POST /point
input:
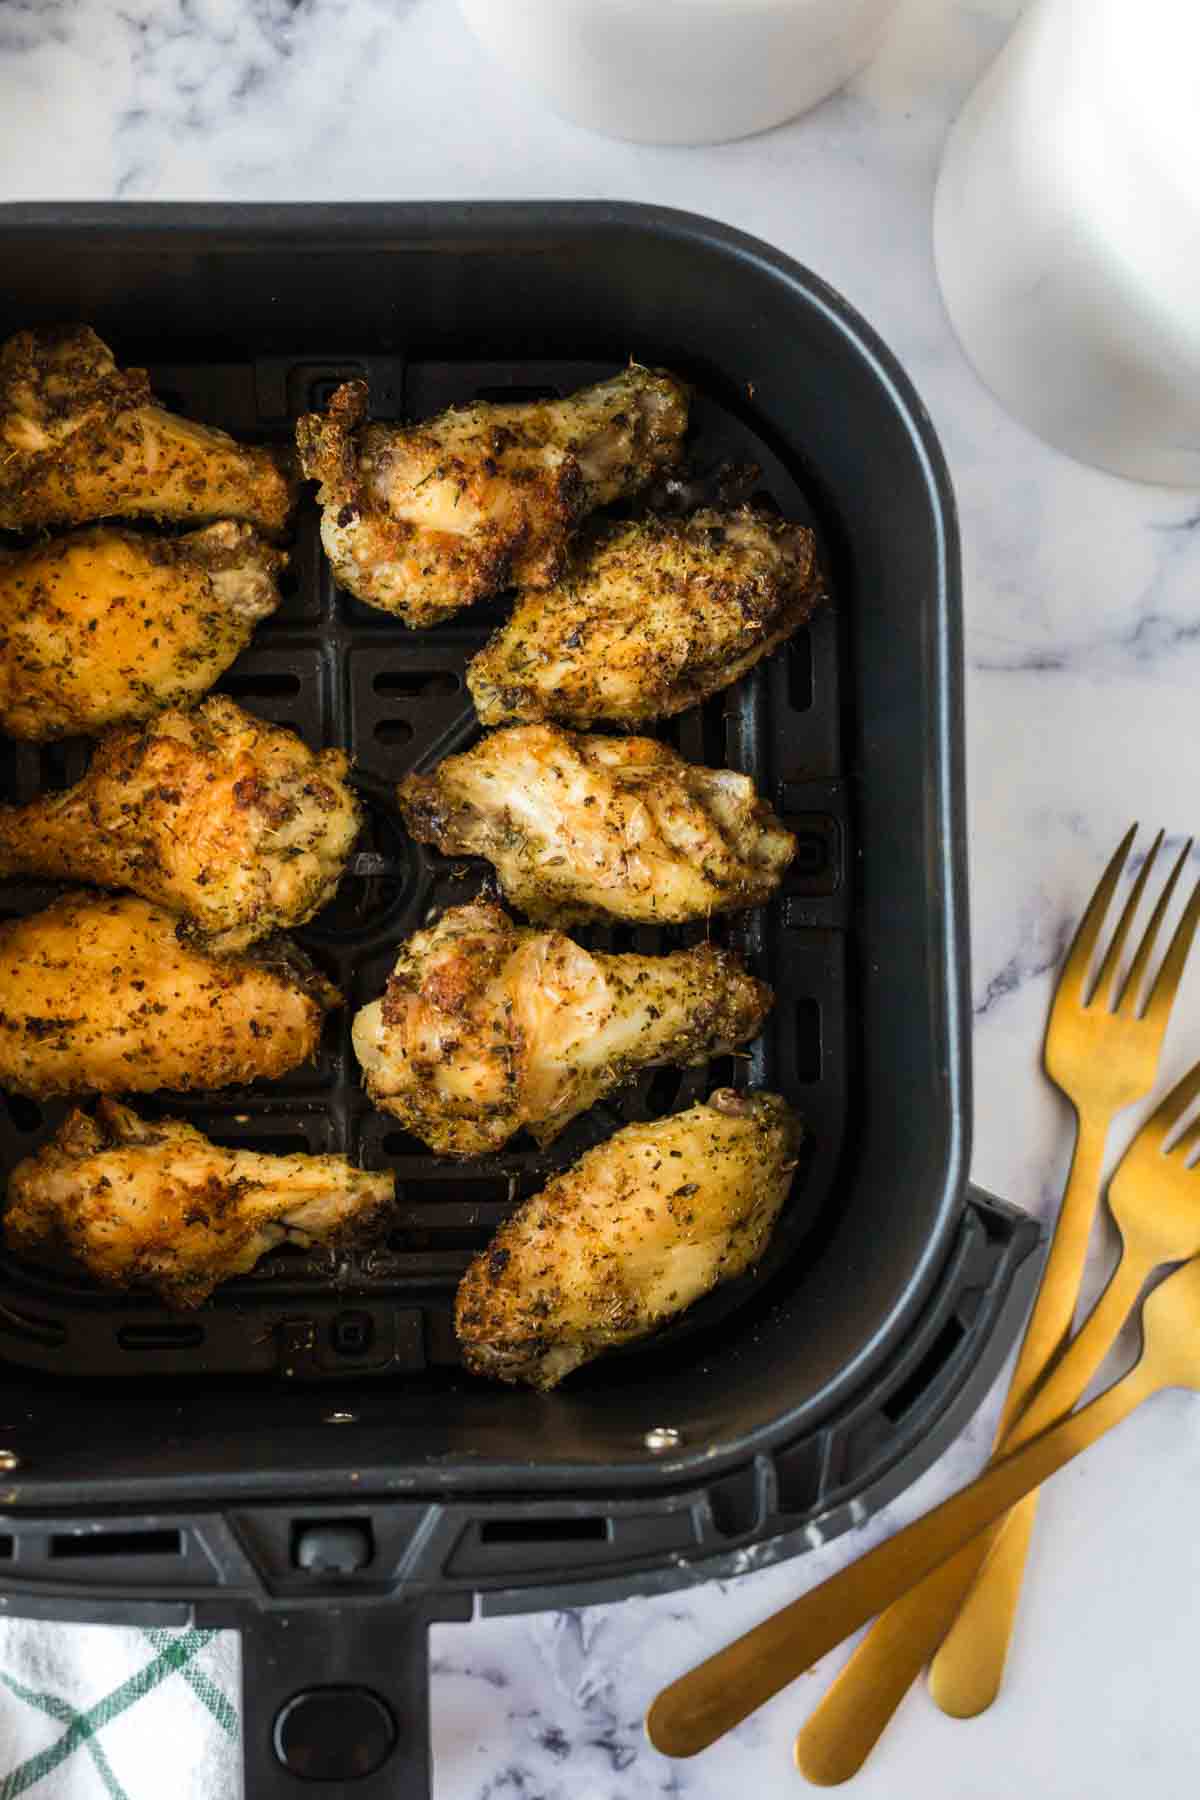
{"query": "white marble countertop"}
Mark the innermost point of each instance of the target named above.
(1083, 652)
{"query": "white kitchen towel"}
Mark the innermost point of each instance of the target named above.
(99, 1712)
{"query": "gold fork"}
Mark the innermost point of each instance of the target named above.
(1103, 1057)
(686, 1717)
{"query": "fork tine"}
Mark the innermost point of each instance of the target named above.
(1189, 1143)
(1074, 973)
(1112, 956)
(1171, 1108)
(1162, 995)
(1127, 1000)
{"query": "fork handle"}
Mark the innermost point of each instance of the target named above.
(844, 1728)
(967, 1671)
(1053, 1312)
(846, 1725)
(698, 1708)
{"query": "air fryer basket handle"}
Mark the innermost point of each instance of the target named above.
(379, 1647)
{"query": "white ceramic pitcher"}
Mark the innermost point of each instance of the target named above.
(1067, 231)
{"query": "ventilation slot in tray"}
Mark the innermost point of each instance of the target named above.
(926, 1372)
(416, 684)
(84, 1546)
(543, 1531)
(164, 1336)
(265, 684)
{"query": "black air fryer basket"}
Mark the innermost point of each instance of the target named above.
(304, 1459)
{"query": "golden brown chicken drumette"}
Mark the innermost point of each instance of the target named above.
(638, 1230)
(108, 625)
(585, 827)
(423, 520)
(652, 616)
(487, 1026)
(100, 995)
(235, 824)
(81, 439)
(159, 1205)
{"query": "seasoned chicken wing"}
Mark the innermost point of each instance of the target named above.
(425, 519)
(583, 827)
(107, 625)
(159, 1205)
(487, 1026)
(235, 824)
(638, 1230)
(101, 995)
(81, 439)
(653, 615)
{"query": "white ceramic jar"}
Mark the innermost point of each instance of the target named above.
(1067, 232)
(680, 71)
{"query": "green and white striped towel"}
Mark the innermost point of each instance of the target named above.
(97, 1712)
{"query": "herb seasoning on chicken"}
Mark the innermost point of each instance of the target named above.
(156, 1204)
(639, 1229)
(109, 625)
(587, 827)
(488, 1026)
(425, 519)
(652, 616)
(233, 823)
(81, 439)
(102, 995)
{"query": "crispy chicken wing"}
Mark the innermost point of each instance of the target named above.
(583, 827)
(487, 1026)
(653, 615)
(81, 439)
(638, 1230)
(157, 1204)
(106, 625)
(235, 824)
(101, 995)
(425, 519)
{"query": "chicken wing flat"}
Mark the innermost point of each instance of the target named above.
(423, 520)
(635, 1233)
(487, 1026)
(81, 439)
(100, 995)
(652, 616)
(581, 827)
(105, 625)
(158, 1205)
(212, 814)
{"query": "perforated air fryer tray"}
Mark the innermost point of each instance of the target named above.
(344, 674)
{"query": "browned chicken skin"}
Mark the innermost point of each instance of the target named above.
(159, 1205)
(585, 827)
(634, 1233)
(108, 625)
(101, 995)
(652, 615)
(423, 520)
(487, 1026)
(235, 824)
(81, 439)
